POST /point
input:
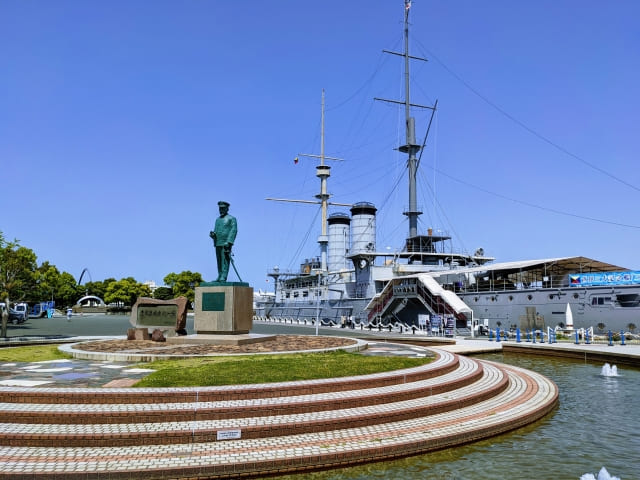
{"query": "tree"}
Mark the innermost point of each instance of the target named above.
(126, 291)
(97, 289)
(631, 327)
(68, 291)
(47, 280)
(17, 275)
(59, 287)
(18, 266)
(183, 283)
(163, 293)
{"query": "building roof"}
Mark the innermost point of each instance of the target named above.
(562, 264)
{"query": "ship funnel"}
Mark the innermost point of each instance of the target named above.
(363, 228)
(339, 232)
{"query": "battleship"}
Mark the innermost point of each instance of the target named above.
(429, 286)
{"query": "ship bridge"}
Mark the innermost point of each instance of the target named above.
(403, 298)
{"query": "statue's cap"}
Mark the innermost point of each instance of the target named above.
(222, 203)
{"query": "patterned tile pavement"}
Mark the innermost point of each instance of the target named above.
(68, 373)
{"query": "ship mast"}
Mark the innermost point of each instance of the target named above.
(323, 172)
(411, 148)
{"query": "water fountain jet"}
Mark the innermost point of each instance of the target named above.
(602, 475)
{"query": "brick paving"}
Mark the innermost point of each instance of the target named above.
(147, 350)
(266, 429)
(279, 343)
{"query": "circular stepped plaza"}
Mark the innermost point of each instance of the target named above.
(266, 429)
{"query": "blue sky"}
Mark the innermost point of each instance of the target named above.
(122, 123)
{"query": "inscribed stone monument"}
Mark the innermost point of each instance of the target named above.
(153, 314)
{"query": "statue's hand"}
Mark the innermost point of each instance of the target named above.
(212, 234)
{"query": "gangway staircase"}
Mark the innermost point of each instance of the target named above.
(420, 289)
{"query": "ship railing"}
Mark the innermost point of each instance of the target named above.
(506, 285)
(413, 289)
(381, 305)
(436, 303)
(599, 335)
(376, 325)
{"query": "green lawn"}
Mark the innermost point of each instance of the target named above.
(32, 353)
(269, 368)
(236, 370)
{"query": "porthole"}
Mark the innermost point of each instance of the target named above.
(511, 298)
(475, 299)
(575, 295)
(529, 297)
(551, 296)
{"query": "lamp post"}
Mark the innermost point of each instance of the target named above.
(319, 299)
(319, 295)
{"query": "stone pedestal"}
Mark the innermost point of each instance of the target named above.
(223, 308)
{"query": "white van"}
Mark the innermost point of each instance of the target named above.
(22, 309)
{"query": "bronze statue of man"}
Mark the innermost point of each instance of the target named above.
(224, 234)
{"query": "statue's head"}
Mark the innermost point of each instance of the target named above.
(223, 207)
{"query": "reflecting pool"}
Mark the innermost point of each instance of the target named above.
(597, 424)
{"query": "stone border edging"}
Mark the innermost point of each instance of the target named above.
(583, 353)
(358, 345)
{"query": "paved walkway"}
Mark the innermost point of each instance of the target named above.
(70, 373)
(628, 354)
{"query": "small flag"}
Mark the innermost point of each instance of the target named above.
(295, 160)
(407, 4)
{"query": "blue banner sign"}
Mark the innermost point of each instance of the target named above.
(450, 321)
(604, 278)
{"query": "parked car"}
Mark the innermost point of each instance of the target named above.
(16, 316)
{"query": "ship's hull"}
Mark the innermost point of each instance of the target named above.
(589, 307)
(596, 307)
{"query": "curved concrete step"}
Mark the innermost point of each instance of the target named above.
(390, 404)
(500, 399)
(407, 387)
(443, 363)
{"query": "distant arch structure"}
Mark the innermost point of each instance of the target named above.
(84, 270)
(91, 301)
